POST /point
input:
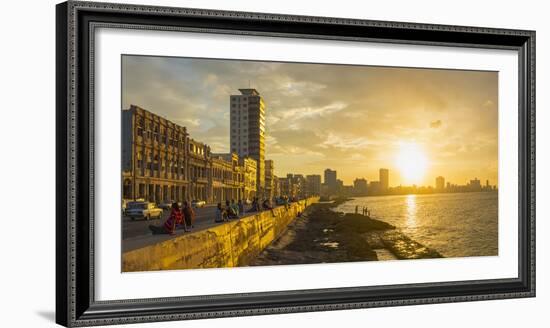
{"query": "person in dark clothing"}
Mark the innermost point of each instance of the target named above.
(241, 207)
(255, 206)
(221, 215)
(266, 205)
(189, 216)
(231, 214)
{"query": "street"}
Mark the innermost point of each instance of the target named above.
(132, 228)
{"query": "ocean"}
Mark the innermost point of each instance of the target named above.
(456, 225)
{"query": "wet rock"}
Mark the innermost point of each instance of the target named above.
(324, 236)
(405, 248)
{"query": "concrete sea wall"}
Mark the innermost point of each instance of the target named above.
(231, 244)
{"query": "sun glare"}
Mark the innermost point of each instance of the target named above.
(412, 163)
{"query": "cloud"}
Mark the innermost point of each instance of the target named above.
(299, 113)
(435, 124)
(327, 115)
(488, 104)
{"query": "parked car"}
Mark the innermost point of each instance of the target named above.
(145, 210)
(198, 203)
(124, 206)
(126, 201)
(166, 205)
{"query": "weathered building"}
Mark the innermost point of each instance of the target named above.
(160, 162)
(313, 185)
(227, 178)
(269, 177)
(155, 157)
(249, 167)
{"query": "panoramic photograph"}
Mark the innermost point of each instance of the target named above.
(239, 163)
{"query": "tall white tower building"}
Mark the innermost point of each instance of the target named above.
(247, 130)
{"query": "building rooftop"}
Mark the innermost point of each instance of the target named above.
(249, 92)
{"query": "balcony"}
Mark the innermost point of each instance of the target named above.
(200, 179)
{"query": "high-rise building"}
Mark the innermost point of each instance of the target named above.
(330, 181)
(339, 185)
(313, 184)
(475, 184)
(440, 183)
(289, 187)
(384, 179)
(374, 188)
(276, 186)
(300, 181)
(247, 130)
(360, 186)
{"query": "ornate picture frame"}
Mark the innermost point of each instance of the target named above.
(77, 21)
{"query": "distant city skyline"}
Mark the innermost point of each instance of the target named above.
(417, 123)
(334, 174)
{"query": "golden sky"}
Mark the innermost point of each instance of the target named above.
(353, 119)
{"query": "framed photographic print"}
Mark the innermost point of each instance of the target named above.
(214, 163)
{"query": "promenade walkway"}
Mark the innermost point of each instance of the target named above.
(136, 234)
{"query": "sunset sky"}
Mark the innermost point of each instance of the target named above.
(418, 123)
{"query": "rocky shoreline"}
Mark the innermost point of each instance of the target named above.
(322, 235)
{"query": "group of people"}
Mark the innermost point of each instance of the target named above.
(231, 210)
(365, 210)
(178, 219)
(234, 210)
(184, 218)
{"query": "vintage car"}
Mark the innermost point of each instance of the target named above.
(143, 210)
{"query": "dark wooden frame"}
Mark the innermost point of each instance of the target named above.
(75, 303)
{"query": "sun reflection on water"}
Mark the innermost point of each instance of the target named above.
(411, 211)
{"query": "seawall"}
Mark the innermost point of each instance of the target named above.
(235, 243)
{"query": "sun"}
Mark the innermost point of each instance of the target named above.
(412, 162)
